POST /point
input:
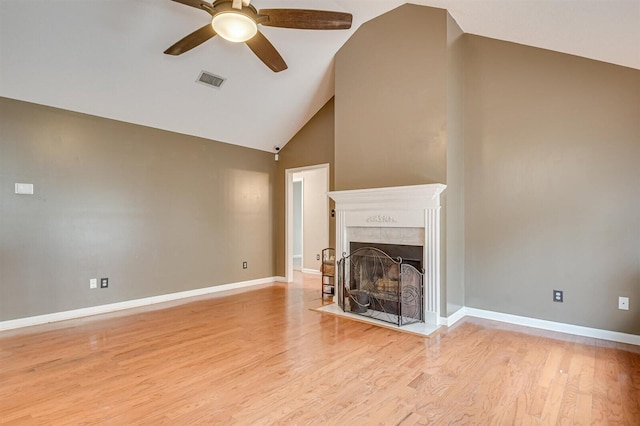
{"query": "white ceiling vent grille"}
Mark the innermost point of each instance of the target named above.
(210, 80)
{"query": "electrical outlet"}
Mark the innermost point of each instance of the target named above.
(623, 303)
(104, 282)
(93, 283)
(317, 257)
(558, 296)
(245, 265)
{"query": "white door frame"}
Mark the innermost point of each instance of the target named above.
(301, 222)
(288, 229)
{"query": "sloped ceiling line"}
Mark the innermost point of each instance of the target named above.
(105, 58)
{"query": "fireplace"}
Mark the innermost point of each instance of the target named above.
(373, 284)
(406, 216)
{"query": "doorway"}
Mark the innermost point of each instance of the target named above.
(313, 221)
(298, 228)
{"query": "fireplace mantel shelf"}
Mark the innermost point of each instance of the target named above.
(397, 197)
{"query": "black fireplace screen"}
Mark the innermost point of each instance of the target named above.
(372, 284)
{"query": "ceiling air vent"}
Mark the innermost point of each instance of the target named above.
(211, 80)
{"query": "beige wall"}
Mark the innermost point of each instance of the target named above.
(399, 119)
(391, 101)
(154, 211)
(552, 185)
(315, 216)
(453, 197)
(312, 145)
(539, 151)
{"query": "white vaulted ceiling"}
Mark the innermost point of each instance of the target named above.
(104, 57)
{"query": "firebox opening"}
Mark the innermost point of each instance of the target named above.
(412, 255)
(373, 284)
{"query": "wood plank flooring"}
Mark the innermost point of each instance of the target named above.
(262, 357)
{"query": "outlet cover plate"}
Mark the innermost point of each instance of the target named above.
(623, 303)
(244, 265)
(93, 283)
(104, 282)
(558, 296)
(24, 188)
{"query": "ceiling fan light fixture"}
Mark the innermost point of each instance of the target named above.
(234, 26)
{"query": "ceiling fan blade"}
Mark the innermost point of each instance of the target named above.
(194, 39)
(307, 19)
(266, 52)
(193, 3)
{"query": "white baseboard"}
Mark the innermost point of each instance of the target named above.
(614, 336)
(453, 318)
(128, 304)
(577, 330)
(310, 271)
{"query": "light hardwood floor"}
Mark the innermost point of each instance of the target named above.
(262, 357)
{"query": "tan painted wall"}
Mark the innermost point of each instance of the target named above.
(154, 211)
(312, 145)
(399, 119)
(552, 185)
(550, 146)
(453, 197)
(391, 101)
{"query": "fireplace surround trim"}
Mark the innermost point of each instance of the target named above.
(414, 206)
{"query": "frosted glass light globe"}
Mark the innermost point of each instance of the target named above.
(234, 26)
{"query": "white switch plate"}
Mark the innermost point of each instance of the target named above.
(623, 303)
(93, 283)
(24, 188)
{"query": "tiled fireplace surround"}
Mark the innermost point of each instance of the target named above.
(405, 215)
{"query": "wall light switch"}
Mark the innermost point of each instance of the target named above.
(24, 188)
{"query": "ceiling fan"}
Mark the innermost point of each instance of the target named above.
(237, 21)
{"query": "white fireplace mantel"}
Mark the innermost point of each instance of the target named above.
(395, 197)
(409, 208)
